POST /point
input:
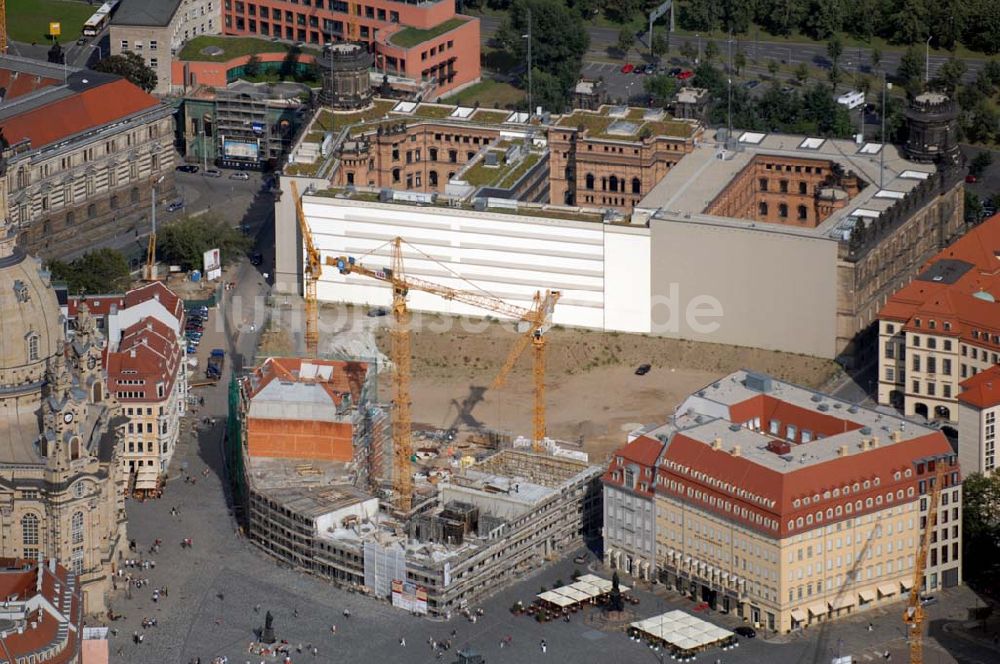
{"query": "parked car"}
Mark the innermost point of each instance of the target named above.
(378, 311)
(643, 369)
(927, 600)
(239, 176)
(750, 85)
(81, 41)
(187, 168)
(639, 70)
(212, 173)
(191, 350)
(581, 559)
(627, 68)
(971, 179)
(175, 206)
(256, 258)
(650, 69)
(745, 632)
(675, 71)
(685, 75)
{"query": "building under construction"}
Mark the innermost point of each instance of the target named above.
(481, 518)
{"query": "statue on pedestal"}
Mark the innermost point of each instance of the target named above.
(615, 600)
(267, 636)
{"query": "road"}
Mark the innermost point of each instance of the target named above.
(603, 44)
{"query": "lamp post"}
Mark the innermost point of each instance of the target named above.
(151, 251)
(528, 37)
(927, 60)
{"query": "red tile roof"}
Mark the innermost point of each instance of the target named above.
(971, 304)
(346, 376)
(20, 83)
(643, 452)
(77, 113)
(983, 389)
(19, 577)
(148, 351)
(157, 291)
(99, 305)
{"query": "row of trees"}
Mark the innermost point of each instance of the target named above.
(181, 243)
(975, 23)
(559, 41)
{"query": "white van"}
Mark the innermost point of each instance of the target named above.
(851, 99)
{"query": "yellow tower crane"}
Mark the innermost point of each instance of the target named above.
(537, 318)
(311, 272)
(913, 616)
(534, 326)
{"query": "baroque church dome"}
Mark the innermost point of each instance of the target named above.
(31, 327)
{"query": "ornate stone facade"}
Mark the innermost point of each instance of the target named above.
(346, 82)
(61, 487)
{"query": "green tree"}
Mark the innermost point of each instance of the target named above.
(711, 51)
(626, 40)
(700, 15)
(186, 241)
(131, 66)
(290, 64)
(548, 91)
(981, 123)
(834, 75)
(801, 73)
(558, 40)
(688, 51)
(781, 17)
(739, 62)
(252, 67)
(980, 521)
(772, 66)
(835, 49)
(980, 162)
(824, 18)
(973, 211)
(992, 71)
(661, 44)
(863, 83)
(99, 271)
(949, 75)
(876, 57)
(911, 70)
(660, 88)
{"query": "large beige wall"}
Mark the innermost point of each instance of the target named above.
(776, 290)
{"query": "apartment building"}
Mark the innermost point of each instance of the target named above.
(143, 375)
(979, 410)
(157, 29)
(147, 373)
(82, 151)
(782, 505)
(942, 328)
(426, 41)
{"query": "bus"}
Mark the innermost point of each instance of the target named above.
(100, 19)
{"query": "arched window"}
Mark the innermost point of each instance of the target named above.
(434, 154)
(636, 185)
(32, 347)
(783, 210)
(70, 218)
(114, 202)
(395, 175)
(433, 178)
(762, 208)
(589, 180)
(803, 212)
(76, 528)
(133, 195)
(91, 211)
(29, 530)
(613, 183)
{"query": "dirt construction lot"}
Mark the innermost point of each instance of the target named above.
(592, 389)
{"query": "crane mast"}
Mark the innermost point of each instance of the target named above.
(913, 616)
(311, 272)
(537, 320)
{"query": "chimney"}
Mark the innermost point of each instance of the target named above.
(736, 450)
(843, 451)
(131, 352)
(897, 436)
(717, 443)
(874, 442)
(863, 444)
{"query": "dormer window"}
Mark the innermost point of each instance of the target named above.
(21, 291)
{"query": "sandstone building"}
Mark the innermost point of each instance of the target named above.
(61, 487)
(942, 328)
(80, 157)
(786, 507)
(979, 408)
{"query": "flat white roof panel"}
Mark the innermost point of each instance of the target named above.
(812, 143)
(870, 148)
(752, 137)
(889, 193)
(914, 175)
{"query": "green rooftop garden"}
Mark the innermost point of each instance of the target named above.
(490, 117)
(434, 111)
(596, 125)
(330, 121)
(410, 37)
(232, 47)
(28, 20)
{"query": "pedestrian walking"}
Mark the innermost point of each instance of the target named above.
(402, 642)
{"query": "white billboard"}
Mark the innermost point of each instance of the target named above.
(409, 596)
(239, 149)
(212, 263)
